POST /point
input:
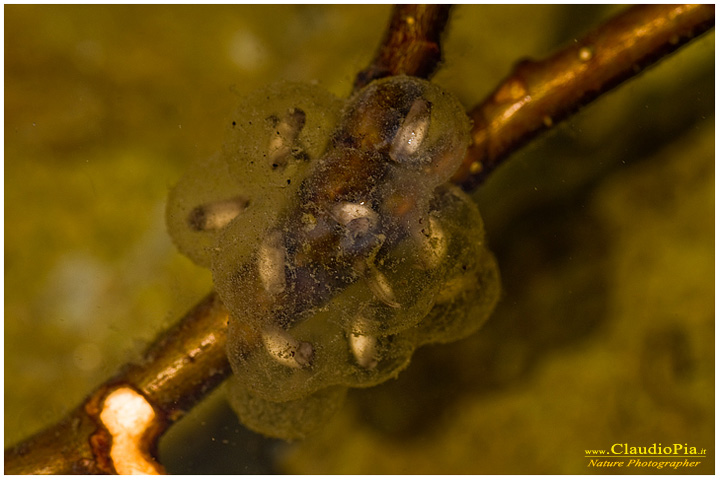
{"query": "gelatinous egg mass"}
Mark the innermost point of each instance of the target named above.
(335, 242)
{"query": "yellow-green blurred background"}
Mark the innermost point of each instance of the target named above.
(603, 230)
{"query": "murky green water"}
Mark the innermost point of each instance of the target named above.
(603, 231)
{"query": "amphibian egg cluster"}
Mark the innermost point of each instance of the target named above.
(335, 242)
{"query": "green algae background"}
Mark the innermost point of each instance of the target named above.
(603, 230)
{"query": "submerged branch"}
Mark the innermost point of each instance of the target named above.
(411, 45)
(116, 428)
(539, 94)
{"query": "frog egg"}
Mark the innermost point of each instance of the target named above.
(471, 287)
(411, 135)
(285, 349)
(275, 135)
(381, 288)
(205, 200)
(464, 306)
(434, 242)
(346, 213)
(423, 127)
(271, 263)
(283, 364)
(284, 142)
(278, 130)
(373, 358)
(216, 215)
(364, 346)
(276, 369)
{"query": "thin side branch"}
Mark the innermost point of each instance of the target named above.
(116, 428)
(539, 94)
(411, 45)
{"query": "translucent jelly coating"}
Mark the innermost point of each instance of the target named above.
(335, 242)
(365, 195)
(465, 300)
(355, 345)
(292, 420)
(262, 164)
(471, 291)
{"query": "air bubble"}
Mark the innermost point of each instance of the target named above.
(585, 54)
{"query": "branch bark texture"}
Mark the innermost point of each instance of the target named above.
(175, 373)
(539, 94)
(411, 45)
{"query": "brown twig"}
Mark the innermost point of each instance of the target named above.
(411, 45)
(177, 371)
(189, 360)
(539, 94)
